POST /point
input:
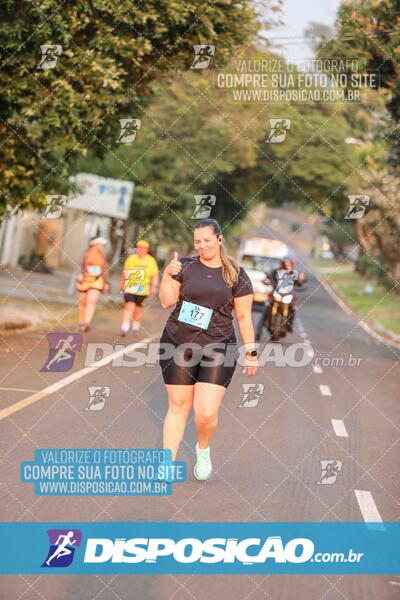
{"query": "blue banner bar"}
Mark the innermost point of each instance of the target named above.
(213, 548)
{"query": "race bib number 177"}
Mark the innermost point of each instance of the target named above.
(195, 314)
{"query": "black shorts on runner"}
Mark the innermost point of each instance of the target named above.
(181, 374)
(135, 298)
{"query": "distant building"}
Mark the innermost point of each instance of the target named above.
(61, 241)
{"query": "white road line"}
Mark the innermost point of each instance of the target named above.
(12, 389)
(368, 508)
(339, 428)
(325, 390)
(17, 406)
(303, 334)
(317, 369)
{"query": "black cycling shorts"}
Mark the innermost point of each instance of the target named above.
(175, 372)
(135, 298)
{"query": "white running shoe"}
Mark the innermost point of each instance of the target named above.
(135, 327)
(203, 466)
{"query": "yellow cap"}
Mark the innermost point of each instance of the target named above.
(142, 244)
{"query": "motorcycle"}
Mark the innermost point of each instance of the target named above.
(278, 314)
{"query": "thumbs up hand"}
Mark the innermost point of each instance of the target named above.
(174, 267)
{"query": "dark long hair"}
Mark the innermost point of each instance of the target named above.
(230, 269)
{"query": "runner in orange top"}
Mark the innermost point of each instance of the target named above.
(91, 281)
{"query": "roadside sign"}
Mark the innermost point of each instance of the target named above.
(101, 195)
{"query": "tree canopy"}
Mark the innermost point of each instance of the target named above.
(106, 54)
(370, 31)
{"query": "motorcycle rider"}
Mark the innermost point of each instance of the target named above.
(280, 278)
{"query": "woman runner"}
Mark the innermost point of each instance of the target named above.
(91, 281)
(206, 289)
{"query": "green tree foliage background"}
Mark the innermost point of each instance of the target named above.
(370, 32)
(194, 141)
(111, 52)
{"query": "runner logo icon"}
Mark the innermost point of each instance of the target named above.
(358, 204)
(55, 204)
(279, 129)
(329, 471)
(97, 397)
(133, 281)
(129, 128)
(50, 53)
(251, 394)
(63, 347)
(202, 55)
(63, 543)
(204, 204)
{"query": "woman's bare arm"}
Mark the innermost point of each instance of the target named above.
(168, 291)
(242, 309)
(169, 288)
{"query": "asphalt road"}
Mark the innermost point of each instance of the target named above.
(266, 458)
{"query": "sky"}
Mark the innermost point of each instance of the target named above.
(296, 15)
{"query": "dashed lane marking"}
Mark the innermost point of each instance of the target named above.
(325, 390)
(339, 428)
(368, 509)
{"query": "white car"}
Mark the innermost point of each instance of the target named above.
(259, 257)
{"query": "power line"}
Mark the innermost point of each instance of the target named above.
(343, 37)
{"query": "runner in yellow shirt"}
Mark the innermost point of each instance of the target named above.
(138, 280)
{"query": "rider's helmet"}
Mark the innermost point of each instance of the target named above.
(286, 264)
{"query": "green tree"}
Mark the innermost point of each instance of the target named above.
(110, 52)
(194, 141)
(190, 143)
(370, 31)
